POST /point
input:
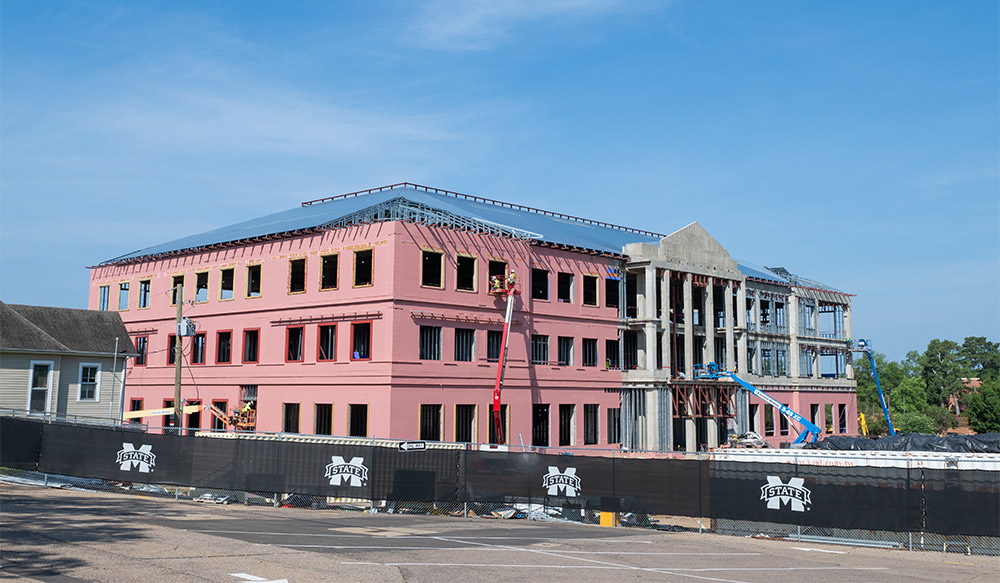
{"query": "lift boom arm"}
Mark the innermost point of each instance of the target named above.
(504, 287)
(711, 371)
(863, 346)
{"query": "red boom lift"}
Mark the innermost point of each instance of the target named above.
(502, 287)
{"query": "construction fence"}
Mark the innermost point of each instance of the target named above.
(896, 504)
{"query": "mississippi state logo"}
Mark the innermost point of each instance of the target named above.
(143, 458)
(352, 473)
(566, 482)
(793, 494)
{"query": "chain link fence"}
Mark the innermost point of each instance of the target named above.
(911, 473)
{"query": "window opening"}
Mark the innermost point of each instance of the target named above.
(540, 425)
(611, 354)
(219, 424)
(465, 343)
(492, 425)
(141, 348)
(565, 351)
(430, 422)
(105, 298)
(358, 420)
(253, 281)
(361, 337)
(590, 290)
(171, 349)
(294, 346)
(323, 419)
(497, 269)
(290, 418)
(567, 415)
(250, 341)
(363, 268)
(591, 420)
(614, 425)
(226, 283)
(88, 382)
(768, 420)
(327, 342)
(144, 293)
(328, 272)
(564, 285)
(431, 269)
(201, 287)
(494, 345)
(465, 274)
(224, 347)
(539, 349)
(123, 296)
(177, 290)
(465, 423)
(430, 343)
(828, 410)
(539, 284)
(589, 352)
(611, 292)
(296, 276)
(198, 348)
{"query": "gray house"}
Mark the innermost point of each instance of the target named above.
(62, 362)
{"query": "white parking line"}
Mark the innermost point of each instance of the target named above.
(807, 549)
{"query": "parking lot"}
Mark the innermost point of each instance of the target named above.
(59, 535)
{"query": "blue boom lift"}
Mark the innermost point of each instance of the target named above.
(811, 432)
(865, 346)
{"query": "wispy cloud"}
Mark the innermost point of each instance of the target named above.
(483, 24)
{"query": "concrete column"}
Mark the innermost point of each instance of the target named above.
(690, 430)
(688, 328)
(665, 325)
(649, 293)
(712, 424)
(816, 360)
(756, 312)
(793, 334)
(727, 307)
(710, 321)
(848, 332)
(668, 409)
(741, 319)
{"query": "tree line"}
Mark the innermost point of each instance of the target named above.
(929, 392)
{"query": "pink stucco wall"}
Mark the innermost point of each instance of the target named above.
(394, 382)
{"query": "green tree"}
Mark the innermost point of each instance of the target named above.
(913, 422)
(942, 370)
(984, 407)
(909, 396)
(980, 357)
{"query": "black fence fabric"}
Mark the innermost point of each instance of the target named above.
(858, 497)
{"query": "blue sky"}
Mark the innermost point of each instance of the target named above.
(854, 143)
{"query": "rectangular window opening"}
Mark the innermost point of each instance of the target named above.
(89, 374)
(296, 275)
(363, 268)
(250, 345)
(567, 422)
(614, 425)
(430, 271)
(591, 420)
(430, 343)
(123, 296)
(198, 348)
(144, 286)
(141, 348)
(565, 351)
(465, 344)
(539, 284)
(590, 290)
(224, 347)
(611, 292)
(201, 287)
(357, 420)
(540, 425)
(492, 423)
(430, 422)
(494, 345)
(104, 298)
(227, 278)
(323, 419)
(465, 423)
(295, 337)
(539, 349)
(590, 352)
(177, 290)
(290, 417)
(327, 344)
(253, 281)
(564, 285)
(361, 339)
(328, 271)
(465, 273)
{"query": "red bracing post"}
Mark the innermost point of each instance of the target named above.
(502, 287)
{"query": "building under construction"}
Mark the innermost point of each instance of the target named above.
(370, 315)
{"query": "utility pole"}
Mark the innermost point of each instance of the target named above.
(179, 298)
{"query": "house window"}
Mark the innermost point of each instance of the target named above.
(105, 298)
(591, 419)
(177, 290)
(227, 283)
(323, 419)
(465, 423)
(198, 348)
(219, 424)
(841, 418)
(290, 417)
(296, 276)
(611, 292)
(564, 285)
(493, 425)
(253, 281)
(294, 337)
(430, 422)
(465, 344)
(565, 351)
(590, 290)
(135, 405)
(363, 268)
(539, 349)
(123, 296)
(430, 268)
(630, 340)
(89, 378)
(540, 425)
(614, 425)
(465, 275)
(144, 293)
(611, 354)
(224, 347)
(328, 272)
(496, 270)
(251, 339)
(361, 340)
(357, 421)
(171, 349)
(567, 422)
(141, 348)
(539, 284)
(430, 343)
(201, 287)
(494, 345)
(327, 344)
(589, 352)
